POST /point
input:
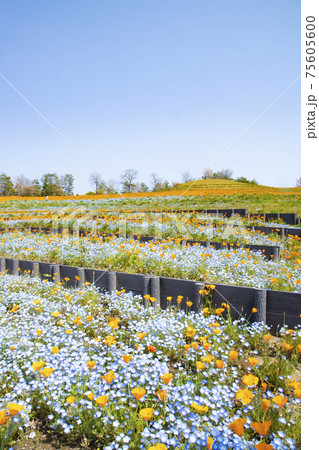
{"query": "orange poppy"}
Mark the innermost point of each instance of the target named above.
(167, 377)
(261, 427)
(200, 365)
(233, 354)
(279, 400)
(126, 358)
(109, 340)
(161, 394)
(237, 426)
(287, 346)
(245, 396)
(253, 361)
(219, 364)
(250, 380)
(109, 377)
(138, 393)
(266, 404)
(151, 348)
(207, 358)
(263, 446)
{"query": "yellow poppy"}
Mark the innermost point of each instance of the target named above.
(3, 416)
(141, 335)
(91, 364)
(102, 400)
(245, 396)
(190, 332)
(46, 372)
(147, 413)
(233, 354)
(199, 408)
(38, 365)
(14, 408)
(158, 447)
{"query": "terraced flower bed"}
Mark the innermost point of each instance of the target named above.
(237, 266)
(101, 371)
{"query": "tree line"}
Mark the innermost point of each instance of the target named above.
(128, 183)
(51, 184)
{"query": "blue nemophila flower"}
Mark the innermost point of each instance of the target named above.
(67, 398)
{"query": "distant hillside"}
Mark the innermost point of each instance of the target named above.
(213, 184)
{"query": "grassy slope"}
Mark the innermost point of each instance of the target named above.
(209, 194)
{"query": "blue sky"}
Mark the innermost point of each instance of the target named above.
(158, 86)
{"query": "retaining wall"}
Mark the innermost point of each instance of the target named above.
(269, 251)
(275, 308)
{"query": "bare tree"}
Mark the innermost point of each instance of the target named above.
(208, 173)
(127, 179)
(23, 186)
(141, 187)
(186, 176)
(156, 182)
(298, 182)
(111, 187)
(96, 180)
(225, 174)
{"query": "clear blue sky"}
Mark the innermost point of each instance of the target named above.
(158, 86)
